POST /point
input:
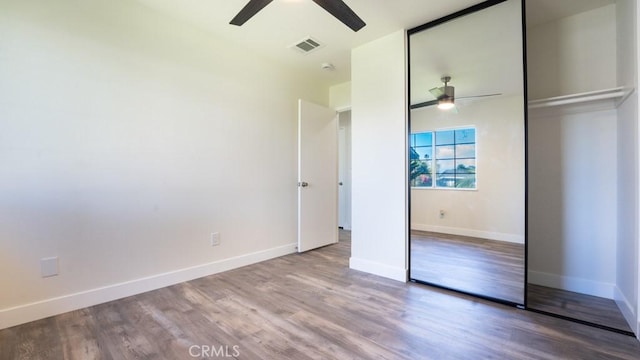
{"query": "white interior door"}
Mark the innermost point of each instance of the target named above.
(343, 221)
(317, 176)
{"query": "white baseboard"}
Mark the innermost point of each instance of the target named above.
(379, 269)
(584, 286)
(491, 235)
(41, 309)
(626, 309)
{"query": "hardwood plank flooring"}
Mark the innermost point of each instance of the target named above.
(478, 266)
(593, 309)
(308, 306)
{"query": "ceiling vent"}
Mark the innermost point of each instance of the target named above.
(306, 45)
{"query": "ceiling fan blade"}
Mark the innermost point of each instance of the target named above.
(423, 104)
(247, 12)
(342, 12)
(437, 92)
(478, 96)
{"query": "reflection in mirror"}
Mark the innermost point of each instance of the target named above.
(467, 163)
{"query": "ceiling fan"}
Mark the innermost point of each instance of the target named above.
(445, 96)
(337, 8)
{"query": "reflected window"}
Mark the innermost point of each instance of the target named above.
(444, 159)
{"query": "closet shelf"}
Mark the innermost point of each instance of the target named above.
(615, 96)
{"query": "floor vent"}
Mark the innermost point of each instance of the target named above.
(306, 45)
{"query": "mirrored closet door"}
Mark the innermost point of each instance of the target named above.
(467, 152)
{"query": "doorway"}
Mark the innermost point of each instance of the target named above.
(324, 176)
(344, 170)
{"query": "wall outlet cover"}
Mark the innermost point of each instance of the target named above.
(49, 266)
(215, 239)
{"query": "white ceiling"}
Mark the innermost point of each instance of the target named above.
(284, 22)
(541, 11)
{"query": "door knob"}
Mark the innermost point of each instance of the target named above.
(340, 183)
(303, 184)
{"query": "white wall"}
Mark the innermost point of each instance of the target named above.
(126, 139)
(340, 96)
(561, 53)
(379, 152)
(496, 209)
(628, 215)
(572, 201)
(627, 255)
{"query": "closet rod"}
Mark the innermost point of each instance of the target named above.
(614, 93)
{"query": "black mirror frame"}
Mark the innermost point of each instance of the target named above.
(434, 23)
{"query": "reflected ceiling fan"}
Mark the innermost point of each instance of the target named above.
(445, 96)
(337, 8)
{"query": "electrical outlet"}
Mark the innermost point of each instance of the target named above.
(441, 214)
(215, 239)
(49, 266)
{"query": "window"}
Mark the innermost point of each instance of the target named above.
(444, 159)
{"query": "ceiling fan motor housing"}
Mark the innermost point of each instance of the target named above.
(448, 93)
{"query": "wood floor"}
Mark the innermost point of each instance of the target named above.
(308, 306)
(473, 265)
(578, 306)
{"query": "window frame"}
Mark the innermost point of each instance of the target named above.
(433, 160)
